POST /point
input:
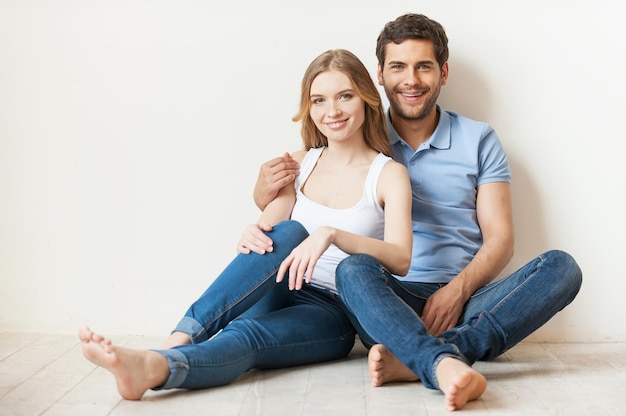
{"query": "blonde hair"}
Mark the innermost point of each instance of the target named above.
(374, 126)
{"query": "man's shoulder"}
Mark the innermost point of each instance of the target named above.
(467, 126)
(464, 120)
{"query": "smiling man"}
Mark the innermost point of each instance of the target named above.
(463, 235)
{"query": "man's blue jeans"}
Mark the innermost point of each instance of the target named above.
(386, 310)
(246, 320)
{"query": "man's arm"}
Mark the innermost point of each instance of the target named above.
(495, 218)
(273, 176)
(253, 238)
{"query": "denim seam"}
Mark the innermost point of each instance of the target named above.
(196, 338)
(538, 267)
(517, 289)
(308, 343)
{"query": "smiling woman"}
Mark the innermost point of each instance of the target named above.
(131, 135)
(232, 328)
(336, 110)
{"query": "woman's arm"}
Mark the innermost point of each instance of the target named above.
(394, 252)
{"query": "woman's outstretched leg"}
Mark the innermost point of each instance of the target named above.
(135, 371)
(314, 329)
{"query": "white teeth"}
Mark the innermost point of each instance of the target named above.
(335, 124)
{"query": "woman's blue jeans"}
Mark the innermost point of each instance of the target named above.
(246, 320)
(386, 310)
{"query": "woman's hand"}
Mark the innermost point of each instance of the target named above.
(302, 259)
(253, 239)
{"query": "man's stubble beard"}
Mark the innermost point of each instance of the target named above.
(421, 114)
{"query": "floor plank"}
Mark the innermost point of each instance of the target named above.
(47, 375)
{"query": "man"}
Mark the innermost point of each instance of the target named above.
(462, 227)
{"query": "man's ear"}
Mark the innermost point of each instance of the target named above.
(444, 73)
(379, 75)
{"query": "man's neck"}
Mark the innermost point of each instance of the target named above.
(415, 132)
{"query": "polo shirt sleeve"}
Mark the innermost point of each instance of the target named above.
(492, 160)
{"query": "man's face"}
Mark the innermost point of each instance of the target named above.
(412, 78)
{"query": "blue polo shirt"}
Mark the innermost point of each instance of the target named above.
(445, 172)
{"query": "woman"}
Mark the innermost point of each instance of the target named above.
(281, 308)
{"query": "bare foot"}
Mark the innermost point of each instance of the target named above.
(384, 367)
(459, 382)
(135, 371)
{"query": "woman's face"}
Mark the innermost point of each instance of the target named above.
(336, 109)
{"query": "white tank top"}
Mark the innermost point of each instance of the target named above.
(365, 218)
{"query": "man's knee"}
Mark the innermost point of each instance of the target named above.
(566, 264)
(352, 270)
(567, 271)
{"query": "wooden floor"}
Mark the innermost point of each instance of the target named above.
(47, 375)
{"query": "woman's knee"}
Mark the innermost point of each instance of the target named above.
(290, 227)
(289, 233)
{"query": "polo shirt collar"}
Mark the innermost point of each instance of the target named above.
(440, 138)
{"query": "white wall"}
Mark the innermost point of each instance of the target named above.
(131, 132)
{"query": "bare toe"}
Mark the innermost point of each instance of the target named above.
(459, 382)
(384, 367)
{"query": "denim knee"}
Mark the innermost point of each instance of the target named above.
(567, 271)
(289, 228)
(355, 270)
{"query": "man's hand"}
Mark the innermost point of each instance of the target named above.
(443, 309)
(273, 176)
(253, 239)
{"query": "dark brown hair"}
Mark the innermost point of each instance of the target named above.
(413, 26)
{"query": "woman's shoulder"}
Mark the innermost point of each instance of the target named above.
(393, 173)
(394, 168)
(298, 155)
